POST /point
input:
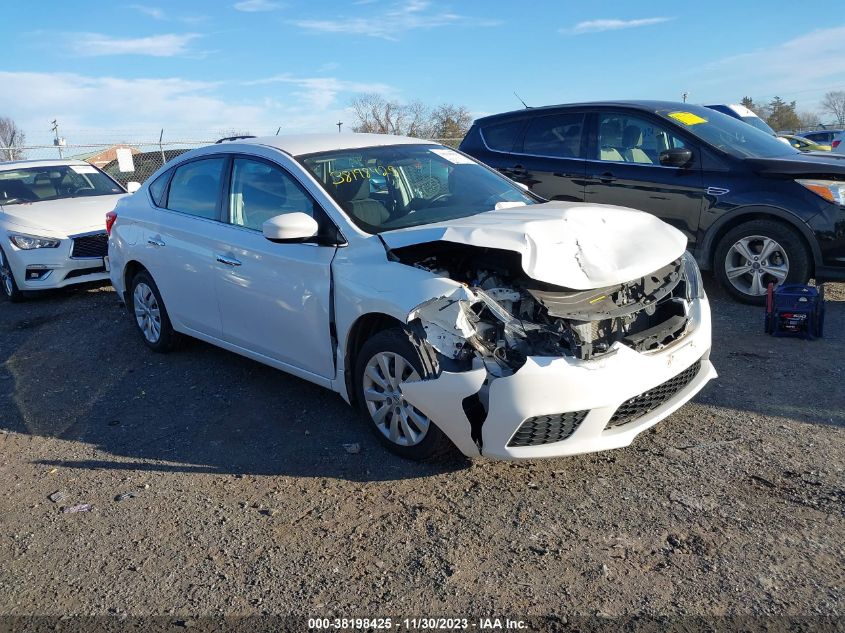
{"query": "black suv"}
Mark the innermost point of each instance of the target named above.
(754, 209)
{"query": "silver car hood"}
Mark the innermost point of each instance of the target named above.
(62, 217)
(570, 244)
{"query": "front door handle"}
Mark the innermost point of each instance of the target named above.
(606, 177)
(155, 242)
(228, 261)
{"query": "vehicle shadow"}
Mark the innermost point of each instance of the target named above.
(74, 368)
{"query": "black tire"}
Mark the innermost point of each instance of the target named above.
(167, 336)
(397, 341)
(791, 245)
(9, 285)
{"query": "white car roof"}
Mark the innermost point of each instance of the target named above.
(19, 164)
(298, 144)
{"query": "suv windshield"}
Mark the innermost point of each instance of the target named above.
(732, 136)
(34, 184)
(396, 186)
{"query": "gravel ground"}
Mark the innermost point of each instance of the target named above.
(246, 502)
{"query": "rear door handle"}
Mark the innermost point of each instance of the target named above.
(606, 177)
(155, 242)
(516, 170)
(228, 261)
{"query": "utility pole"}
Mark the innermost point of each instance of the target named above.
(338, 124)
(58, 142)
(685, 97)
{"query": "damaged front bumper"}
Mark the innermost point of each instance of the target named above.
(555, 406)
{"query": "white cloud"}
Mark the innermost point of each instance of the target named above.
(96, 109)
(814, 62)
(153, 12)
(252, 6)
(390, 23)
(321, 92)
(97, 44)
(597, 26)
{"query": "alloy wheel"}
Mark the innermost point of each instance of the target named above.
(6, 276)
(755, 261)
(395, 418)
(147, 312)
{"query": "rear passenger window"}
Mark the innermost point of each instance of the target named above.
(195, 187)
(158, 187)
(502, 136)
(557, 135)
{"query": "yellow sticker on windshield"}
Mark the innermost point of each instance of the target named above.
(687, 118)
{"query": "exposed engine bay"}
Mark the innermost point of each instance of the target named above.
(504, 316)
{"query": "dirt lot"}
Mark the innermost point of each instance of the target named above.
(247, 502)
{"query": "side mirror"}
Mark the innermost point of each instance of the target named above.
(676, 157)
(290, 227)
(132, 186)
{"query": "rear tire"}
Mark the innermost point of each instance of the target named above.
(383, 363)
(150, 315)
(7, 280)
(753, 254)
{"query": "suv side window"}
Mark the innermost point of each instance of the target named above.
(624, 138)
(195, 188)
(261, 191)
(557, 135)
(502, 136)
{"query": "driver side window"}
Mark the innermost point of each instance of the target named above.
(632, 139)
(261, 191)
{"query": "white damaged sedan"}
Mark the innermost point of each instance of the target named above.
(439, 297)
(51, 224)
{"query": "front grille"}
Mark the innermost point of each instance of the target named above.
(96, 245)
(81, 272)
(545, 429)
(646, 402)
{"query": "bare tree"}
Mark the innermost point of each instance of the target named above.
(451, 123)
(376, 114)
(809, 119)
(12, 139)
(834, 103)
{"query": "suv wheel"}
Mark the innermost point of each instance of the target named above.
(150, 314)
(754, 254)
(7, 280)
(386, 361)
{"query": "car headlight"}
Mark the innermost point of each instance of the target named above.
(830, 190)
(693, 275)
(28, 242)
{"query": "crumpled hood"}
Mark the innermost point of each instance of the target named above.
(570, 244)
(63, 217)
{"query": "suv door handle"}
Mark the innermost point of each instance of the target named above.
(516, 170)
(606, 177)
(228, 261)
(155, 242)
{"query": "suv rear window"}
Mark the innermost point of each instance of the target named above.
(557, 135)
(502, 136)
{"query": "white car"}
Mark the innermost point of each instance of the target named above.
(52, 215)
(445, 301)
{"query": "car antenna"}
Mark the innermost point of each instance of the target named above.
(520, 99)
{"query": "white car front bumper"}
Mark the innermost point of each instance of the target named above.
(555, 406)
(50, 268)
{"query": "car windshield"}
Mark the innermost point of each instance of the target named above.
(34, 184)
(759, 123)
(728, 134)
(396, 186)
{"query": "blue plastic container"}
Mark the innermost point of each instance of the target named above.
(795, 310)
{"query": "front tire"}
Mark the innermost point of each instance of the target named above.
(150, 315)
(7, 280)
(386, 361)
(759, 252)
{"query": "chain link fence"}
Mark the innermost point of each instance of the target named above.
(147, 156)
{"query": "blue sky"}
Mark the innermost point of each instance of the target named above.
(195, 68)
